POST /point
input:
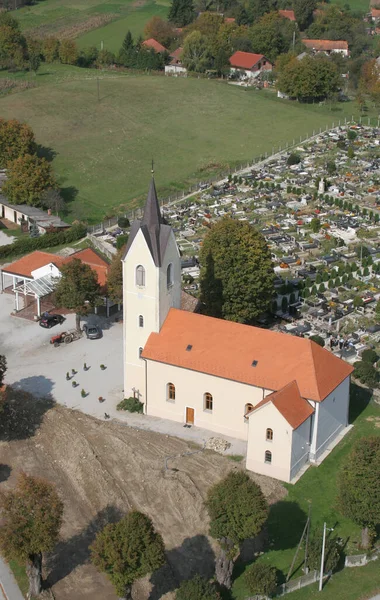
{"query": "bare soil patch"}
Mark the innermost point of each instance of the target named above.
(102, 470)
(65, 28)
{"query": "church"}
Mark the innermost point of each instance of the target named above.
(286, 396)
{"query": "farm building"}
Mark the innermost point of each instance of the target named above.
(247, 64)
(27, 216)
(175, 67)
(327, 46)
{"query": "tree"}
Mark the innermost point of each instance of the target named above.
(358, 301)
(196, 54)
(238, 510)
(303, 12)
(105, 58)
(68, 52)
(366, 373)
(50, 49)
(358, 485)
(331, 167)
(12, 47)
(160, 30)
(31, 520)
(312, 78)
(369, 356)
(27, 178)
(350, 152)
(261, 579)
(318, 340)
(197, 588)
(34, 54)
(115, 277)
(272, 35)
(52, 199)
(77, 289)
(315, 224)
(332, 553)
(237, 280)
(128, 44)
(181, 12)
(16, 139)
(128, 550)
(293, 159)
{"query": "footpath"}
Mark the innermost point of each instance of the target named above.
(9, 589)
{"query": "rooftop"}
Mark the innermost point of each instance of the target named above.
(326, 44)
(152, 43)
(287, 14)
(228, 350)
(245, 60)
(36, 214)
(289, 403)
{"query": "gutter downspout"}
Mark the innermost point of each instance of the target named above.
(146, 385)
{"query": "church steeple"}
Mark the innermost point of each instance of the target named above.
(152, 214)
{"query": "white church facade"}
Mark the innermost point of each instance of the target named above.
(286, 396)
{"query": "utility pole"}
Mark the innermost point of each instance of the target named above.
(322, 557)
(97, 81)
(294, 39)
(306, 568)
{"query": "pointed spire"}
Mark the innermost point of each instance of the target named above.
(152, 214)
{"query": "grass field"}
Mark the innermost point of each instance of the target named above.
(318, 489)
(192, 128)
(91, 21)
(361, 6)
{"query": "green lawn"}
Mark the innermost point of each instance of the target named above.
(361, 6)
(20, 576)
(192, 128)
(318, 489)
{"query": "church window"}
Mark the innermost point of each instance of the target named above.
(269, 435)
(140, 352)
(208, 401)
(141, 321)
(170, 392)
(169, 276)
(268, 457)
(140, 276)
(248, 408)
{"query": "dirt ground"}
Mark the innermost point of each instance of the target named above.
(102, 470)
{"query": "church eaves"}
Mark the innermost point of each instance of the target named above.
(155, 232)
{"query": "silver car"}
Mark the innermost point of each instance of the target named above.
(93, 332)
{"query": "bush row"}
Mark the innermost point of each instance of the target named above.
(29, 244)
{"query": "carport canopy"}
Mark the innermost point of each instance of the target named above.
(37, 287)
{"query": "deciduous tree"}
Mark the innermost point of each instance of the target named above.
(50, 49)
(197, 588)
(238, 511)
(196, 54)
(68, 52)
(128, 550)
(311, 78)
(12, 47)
(52, 199)
(303, 12)
(78, 288)
(115, 277)
(332, 553)
(160, 30)
(27, 178)
(31, 520)
(272, 35)
(16, 139)
(261, 579)
(237, 280)
(358, 485)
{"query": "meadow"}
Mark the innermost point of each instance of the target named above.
(193, 128)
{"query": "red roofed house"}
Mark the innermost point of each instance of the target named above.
(248, 64)
(285, 396)
(175, 67)
(34, 275)
(327, 46)
(375, 14)
(153, 44)
(287, 14)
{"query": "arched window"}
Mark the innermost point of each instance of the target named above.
(141, 321)
(140, 352)
(269, 435)
(268, 456)
(170, 392)
(248, 408)
(169, 275)
(140, 276)
(207, 399)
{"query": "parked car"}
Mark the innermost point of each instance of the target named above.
(93, 332)
(48, 321)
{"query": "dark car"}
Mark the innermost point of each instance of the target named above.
(48, 321)
(93, 332)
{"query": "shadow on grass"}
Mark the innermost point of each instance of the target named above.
(45, 152)
(5, 472)
(75, 551)
(286, 523)
(194, 557)
(23, 412)
(360, 397)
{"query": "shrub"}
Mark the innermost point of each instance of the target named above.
(123, 222)
(197, 588)
(293, 159)
(322, 288)
(332, 554)
(23, 245)
(369, 356)
(351, 135)
(318, 340)
(131, 405)
(121, 240)
(366, 373)
(261, 578)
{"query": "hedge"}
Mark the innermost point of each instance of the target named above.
(25, 244)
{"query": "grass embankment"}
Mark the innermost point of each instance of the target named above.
(317, 488)
(91, 21)
(192, 128)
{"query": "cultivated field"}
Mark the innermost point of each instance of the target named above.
(103, 470)
(192, 128)
(68, 19)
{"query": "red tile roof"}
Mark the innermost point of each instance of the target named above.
(89, 257)
(152, 43)
(375, 13)
(25, 265)
(287, 14)
(245, 60)
(227, 350)
(229, 20)
(289, 404)
(326, 44)
(177, 53)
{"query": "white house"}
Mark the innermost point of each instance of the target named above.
(250, 65)
(286, 396)
(175, 67)
(327, 46)
(26, 216)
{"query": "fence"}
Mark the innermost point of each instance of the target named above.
(292, 586)
(360, 560)
(100, 245)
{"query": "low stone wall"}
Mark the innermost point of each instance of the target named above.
(360, 560)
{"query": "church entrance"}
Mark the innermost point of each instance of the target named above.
(189, 416)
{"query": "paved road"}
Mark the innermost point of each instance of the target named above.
(9, 589)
